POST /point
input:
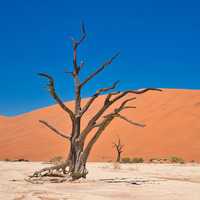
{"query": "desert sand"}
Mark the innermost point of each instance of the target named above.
(131, 181)
(172, 120)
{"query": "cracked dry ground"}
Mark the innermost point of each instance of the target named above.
(131, 181)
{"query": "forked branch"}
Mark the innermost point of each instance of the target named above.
(94, 96)
(118, 146)
(107, 104)
(76, 44)
(123, 106)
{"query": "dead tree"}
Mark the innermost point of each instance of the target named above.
(75, 164)
(118, 147)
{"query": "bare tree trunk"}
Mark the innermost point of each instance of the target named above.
(118, 147)
(77, 168)
(75, 165)
(118, 157)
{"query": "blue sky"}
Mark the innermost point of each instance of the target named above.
(159, 43)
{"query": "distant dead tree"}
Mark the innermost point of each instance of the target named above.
(75, 164)
(118, 147)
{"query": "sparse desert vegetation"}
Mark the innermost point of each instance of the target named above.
(16, 160)
(132, 160)
(170, 159)
(176, 159)
(137, 160)
(126, 160)
(167, 160)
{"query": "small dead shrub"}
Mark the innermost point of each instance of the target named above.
(137, 160)
(158, 160)
(132, 160)
(175, 159)
(154, 160)
(21, 160)
(126, 160)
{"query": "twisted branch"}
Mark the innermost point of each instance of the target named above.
(51, 87)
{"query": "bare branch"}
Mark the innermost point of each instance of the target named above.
(140, 91)
(116, 112)
(101, 68)
(54, 130)
(109, 96)
(125, 102)
(128, 107)
(69, 72)
(130, 121)
(53, 93)
(121, 107)
(76, 44)
(98, 92)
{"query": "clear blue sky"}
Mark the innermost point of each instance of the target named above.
(159, 43)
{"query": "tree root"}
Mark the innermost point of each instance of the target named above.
(53, 174)
(57, 170)
(57, 174)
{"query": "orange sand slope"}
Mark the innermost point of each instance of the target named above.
(172, 119)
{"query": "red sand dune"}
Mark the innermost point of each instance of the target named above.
(172, 119)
